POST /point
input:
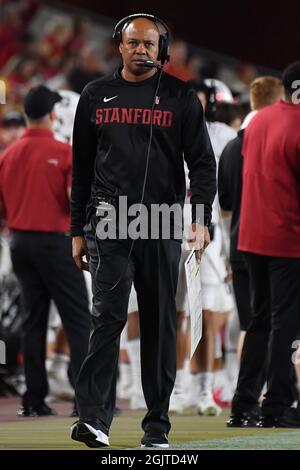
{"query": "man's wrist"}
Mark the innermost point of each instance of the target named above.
(201, 214)
(203, 223)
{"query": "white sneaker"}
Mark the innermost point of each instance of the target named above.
(207, 406)
(88, 433)
(160, 441)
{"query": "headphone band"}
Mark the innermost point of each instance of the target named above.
(132, 17)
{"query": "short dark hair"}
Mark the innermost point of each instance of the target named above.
(289, 76)
(228, 112)
(40, 101)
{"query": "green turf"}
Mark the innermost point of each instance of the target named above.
(278, 441)
(188, 432)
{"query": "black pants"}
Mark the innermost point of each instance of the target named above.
(275, 302)
(45, 269)
(153, 267)
(241, 287)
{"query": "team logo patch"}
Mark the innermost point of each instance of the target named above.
(53, 161)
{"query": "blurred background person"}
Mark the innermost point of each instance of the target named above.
(36, 207)
(12, 127)
(269, 236)
(263, 92)
(179, 66)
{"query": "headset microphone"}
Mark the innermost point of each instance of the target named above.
(151, 64)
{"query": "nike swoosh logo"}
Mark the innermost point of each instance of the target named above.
(109, 99)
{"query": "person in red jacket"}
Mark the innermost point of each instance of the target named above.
(270, 237)
(35, 174)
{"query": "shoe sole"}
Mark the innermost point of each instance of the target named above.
(81, 432)
(158, 446)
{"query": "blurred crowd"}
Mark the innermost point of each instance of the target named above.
(68, 51)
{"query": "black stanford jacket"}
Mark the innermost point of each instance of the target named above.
(111, 138)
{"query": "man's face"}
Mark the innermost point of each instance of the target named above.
(140, 41)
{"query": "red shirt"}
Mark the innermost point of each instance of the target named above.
(270, 210)
(35, 173)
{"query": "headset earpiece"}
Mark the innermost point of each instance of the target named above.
(117, 37)
(163, 49)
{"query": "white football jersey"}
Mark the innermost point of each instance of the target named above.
(65, 114)
(220, 134)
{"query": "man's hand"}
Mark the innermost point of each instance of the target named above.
(198, 239)
(79, 250)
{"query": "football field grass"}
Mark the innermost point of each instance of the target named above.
(188, 432)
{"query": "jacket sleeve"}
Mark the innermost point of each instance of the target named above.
(224, 183)
(84, 153)
(230, 174)
(199, 156)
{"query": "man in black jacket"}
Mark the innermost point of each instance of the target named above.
(131, 131)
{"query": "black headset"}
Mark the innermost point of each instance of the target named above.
(164, 38)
